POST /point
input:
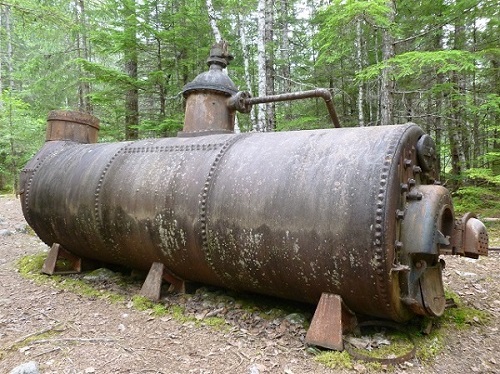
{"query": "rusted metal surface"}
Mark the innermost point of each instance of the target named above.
(72, 126)
(352, 212)
(292, 215)
(207, 95)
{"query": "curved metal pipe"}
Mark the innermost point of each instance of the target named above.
(318, 92)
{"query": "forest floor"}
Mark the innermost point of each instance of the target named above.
(65, 331)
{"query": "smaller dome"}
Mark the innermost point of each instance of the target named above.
(215, 79)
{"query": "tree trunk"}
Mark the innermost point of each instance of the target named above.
(1, 69)
(269, 64)
(285, 56)
(131, 62)
(212, 16)
(387, 83)
(495, 165)
(246, 66)
(10, 120)
(82, 52)
(455, 131)
(261, 64)
(359, 63)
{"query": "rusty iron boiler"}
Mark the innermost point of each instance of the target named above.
(354, 212)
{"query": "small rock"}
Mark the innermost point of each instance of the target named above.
(22, 228)
(257, 369)
(359, 368)
(5, 232)
(465, 273)
(27, 368)
(100, 275)
(24, 349)
(296, 318)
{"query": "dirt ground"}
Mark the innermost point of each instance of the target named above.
(66, 333)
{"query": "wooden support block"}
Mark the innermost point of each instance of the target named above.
(331, 320)
(73, 264)
(152, 285)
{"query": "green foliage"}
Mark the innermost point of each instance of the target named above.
(336, 39)
(481, 200)
(416, 63)
(168, 127)
(445, 68)
(484, 175)
(21, 135)
(493, 232)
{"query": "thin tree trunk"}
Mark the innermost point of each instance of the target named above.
(386, 95)
(10, 66)
(261, 64)
(131, 63)
(10, 69)
(458, 159)
(379, 84)
(495, 165)
(476, 141)
(359, 62)
(82, 52)
(269, 64)
(212, 16)
(1, 60)
(285, 55)
(246, 66)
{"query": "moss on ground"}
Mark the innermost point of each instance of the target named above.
(30, 267)
(428, 346)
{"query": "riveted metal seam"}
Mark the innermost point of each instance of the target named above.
(381, 252)
(204, 200)
(98, 189)
(35, 171)
(174, 148)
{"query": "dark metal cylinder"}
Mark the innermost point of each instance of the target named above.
(288, 214)
(72, 126)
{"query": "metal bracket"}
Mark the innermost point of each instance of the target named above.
(60, 261)
(157, 274)
(331, 320)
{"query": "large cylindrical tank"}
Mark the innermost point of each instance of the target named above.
(290, 214)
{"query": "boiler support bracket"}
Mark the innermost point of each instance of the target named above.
(157, 274)
(331, 320)
(60, 261)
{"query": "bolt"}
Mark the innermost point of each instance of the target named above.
(414, 196)
(404, 187)
(417, 169)
(412, 182)
(398, 245)
(400, 214)
(407, 163)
